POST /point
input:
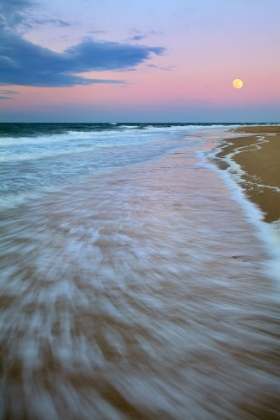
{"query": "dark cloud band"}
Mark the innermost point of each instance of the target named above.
(24, 63)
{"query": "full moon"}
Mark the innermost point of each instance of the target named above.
(237, 83)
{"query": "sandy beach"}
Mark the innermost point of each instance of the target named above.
(259, 156)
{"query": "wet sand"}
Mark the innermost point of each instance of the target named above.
(259, 157)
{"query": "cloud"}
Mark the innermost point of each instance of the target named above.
(168, 68)
(97, 32)
(8, 92)
(24, 63)
(13, 13)
(17, 15)
(55, 22)
(28, 64)
(137, 37)
(138, 32)
(4, 97)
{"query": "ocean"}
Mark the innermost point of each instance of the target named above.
(137, 280)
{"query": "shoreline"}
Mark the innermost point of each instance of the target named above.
(257, 152)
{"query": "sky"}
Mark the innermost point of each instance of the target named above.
(131, 61)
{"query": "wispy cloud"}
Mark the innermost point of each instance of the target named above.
(25, 63)
(168, 68)
(97, 32)
(4, 97)
(8, 92)
(137, 37)
(55, 22)
(18, 16)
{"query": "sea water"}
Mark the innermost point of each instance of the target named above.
(137, 281)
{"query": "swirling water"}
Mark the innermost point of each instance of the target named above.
(135, 283)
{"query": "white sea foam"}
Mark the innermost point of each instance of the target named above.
(44, 154)
(267, 233)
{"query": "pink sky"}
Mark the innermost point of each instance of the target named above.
(203, 49)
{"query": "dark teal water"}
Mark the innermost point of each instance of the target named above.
(48, 129)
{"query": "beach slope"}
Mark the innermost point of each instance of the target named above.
(257, 152)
